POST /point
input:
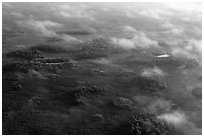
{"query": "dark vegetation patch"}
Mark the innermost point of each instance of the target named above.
(19, 84)
(191, 63)
(49, 48)
(174, 61)
(25, 66)
(197, 93)
(122, 103)
(142, 124)
(30, 122)
(52, 60)
(35, 60)
(53, 65)
(13, 75)
(53, 39)
(17, 90)
(79, 32)
(20, 122)
(16, 93)
(168, 61)
(81, 92)
(16, 67)
(52, 68)
(84, 128)
(12, 101)
(77, 95)
(148, 84)
(8, 32)
(25, 55)
(94, 49)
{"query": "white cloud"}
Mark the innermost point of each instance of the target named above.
(197, 31)
(153, 72)
(176, 31)
(38, 26)
(69, 38)
(139, 40)
(157, 12)
(153, 104)
(180, 52)
(142, 9)
(185, 7)
(175, 118)
(172, 29)
(130, 14)
(6, 4)
(65, 14)
(17, 15)
(159, 105)
(194, 45)
(188, 12)
(48, 23)
(45, 28)
(103, 61)
(128, 28)
(124, 43)
(76, 11)
(189, 49)
(168, 25)
(150, 13)
(105, 9)
(180, 121)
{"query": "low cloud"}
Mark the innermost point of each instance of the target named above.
(154, 104)
(103, 61)
(105, 9)
(159, 106)
(145, 10)
(42, 27)
(17, 15)
(129, 28)
(69, 38)
(172, 29)
(179, 120)
(139, 40)
(150, 13)
(48, 23)
(45, 28)
(189, 49)
(185, 7)
(158, 12)
(130, 14)
(123, 43)
(6, 4)
(175, 118)
(153, 72)
(76, 11)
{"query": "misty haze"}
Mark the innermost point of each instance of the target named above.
(101, 68)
